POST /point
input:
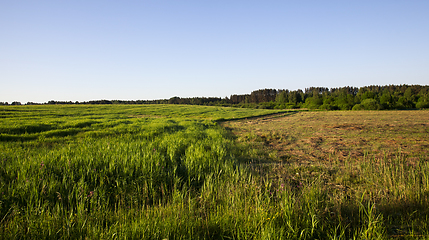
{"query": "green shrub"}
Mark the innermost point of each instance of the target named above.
(358, 107)
(328, 107)
(422, 105)
(368, 104)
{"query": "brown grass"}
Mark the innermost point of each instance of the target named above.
(382, 155)
(308, 137)
(334, 147)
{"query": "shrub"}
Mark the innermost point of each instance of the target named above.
(358, 107)
(368, 104)
(328, 107)
(422, 105)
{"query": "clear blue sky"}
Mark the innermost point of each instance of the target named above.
(88, 50)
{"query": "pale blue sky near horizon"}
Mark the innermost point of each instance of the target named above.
(137, 50)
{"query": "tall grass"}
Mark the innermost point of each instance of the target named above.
(181, 178)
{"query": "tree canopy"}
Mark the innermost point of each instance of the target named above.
(345, 98)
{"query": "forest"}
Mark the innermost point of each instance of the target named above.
(343, 98)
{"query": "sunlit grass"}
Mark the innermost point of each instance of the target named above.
(368, 163)
(173, 172)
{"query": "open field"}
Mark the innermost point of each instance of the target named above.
(339, 135)
(380, 156)
(195, 172)
(65, 122)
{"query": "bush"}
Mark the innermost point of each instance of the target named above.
(358, 107)
(422, 105)
(328, 107)
(368, 104)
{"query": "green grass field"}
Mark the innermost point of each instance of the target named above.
(196, 172)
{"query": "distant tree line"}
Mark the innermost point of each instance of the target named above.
(13, 103)
(344, 98)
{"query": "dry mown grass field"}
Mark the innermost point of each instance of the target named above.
(309, 137)
(381, 156)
